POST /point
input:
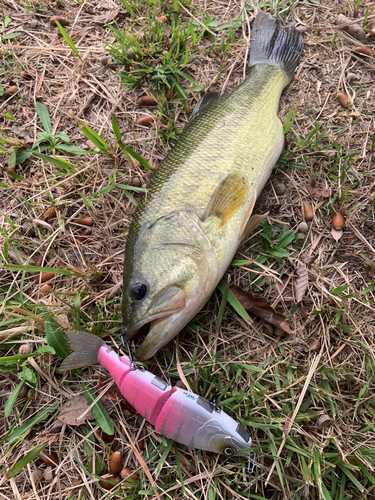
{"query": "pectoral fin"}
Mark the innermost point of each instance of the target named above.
(229, 196)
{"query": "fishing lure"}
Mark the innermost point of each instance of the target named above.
(174, 412)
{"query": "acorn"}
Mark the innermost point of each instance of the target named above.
(343, 99)
(107, 438)
(267, 329)
(147, 100)
(338, 220)
(49, 458)
(146, 120)
(107, 483)
(128, 473)
(10, 91)
(115, 464)
(366, 51)
(355, 473)
(28, 75)
(131, 53)
(38, 260)
(136, 182)
(48, 474)
(83, 235)
(323, 421)
(25, 349)
(44, 290)
(60, 19)
(84, 221)
(45, 276)
(141, 443)
(50, 213)
(307, 211)
(303, 227)
(163, 19)
(280, 189)
(314, 345)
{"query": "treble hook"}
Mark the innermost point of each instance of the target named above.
(126, 344)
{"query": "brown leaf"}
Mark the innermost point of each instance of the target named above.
(72, 410)
(317, 193)
(260, 307)
(302, 280)
(309, 259)
(113, 393)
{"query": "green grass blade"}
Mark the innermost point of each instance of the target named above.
(100, 413)
(59, 162)
(223, 303)
(12, 399)
(116, 128)
(56, 338)
(67, 39)
(233, 301)
(23, 429)
(36, 269)
(94, 138)
(43, 115)
(136, 156)
(29, 457)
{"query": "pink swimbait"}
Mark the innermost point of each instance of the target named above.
(177, 414)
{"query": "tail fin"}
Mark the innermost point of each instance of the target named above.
(274, 45)
(85, 350)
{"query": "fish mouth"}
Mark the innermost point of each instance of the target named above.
(143, 327)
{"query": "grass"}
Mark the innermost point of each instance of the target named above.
(75, 146)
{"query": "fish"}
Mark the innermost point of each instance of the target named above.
(199, 203)
(175, 413)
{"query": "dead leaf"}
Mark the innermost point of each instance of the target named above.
(113, 394)
(336, 235)
(302, 280)
(317, 193)
(72, 410)
(309, 259)
(260, 307)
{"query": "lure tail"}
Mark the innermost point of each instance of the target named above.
(85, 350)
(275, 46)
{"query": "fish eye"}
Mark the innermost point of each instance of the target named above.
(139, 291)
(228, 451)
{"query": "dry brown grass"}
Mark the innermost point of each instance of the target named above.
(342, 383)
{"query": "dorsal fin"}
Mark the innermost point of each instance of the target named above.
(229, 196)
(207, 100)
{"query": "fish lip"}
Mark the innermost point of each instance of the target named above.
(132, 333)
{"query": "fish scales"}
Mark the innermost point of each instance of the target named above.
(196, 210)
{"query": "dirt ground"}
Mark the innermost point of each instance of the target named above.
(306, 398)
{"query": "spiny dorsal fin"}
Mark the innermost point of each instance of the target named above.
(207, 100)
(229, 196)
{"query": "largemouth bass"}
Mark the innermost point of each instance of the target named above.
(199, 203)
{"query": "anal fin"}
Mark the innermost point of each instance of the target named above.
(229, 196)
